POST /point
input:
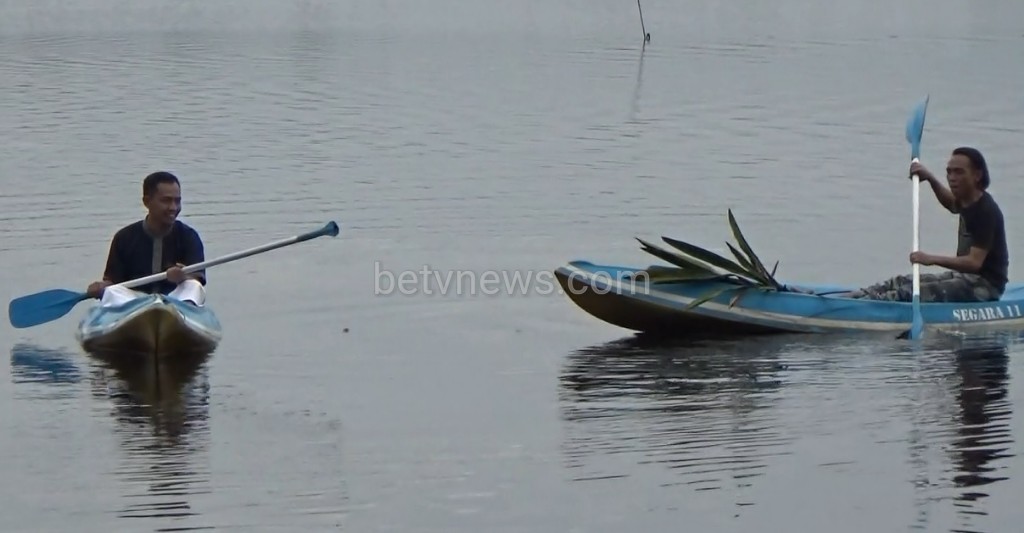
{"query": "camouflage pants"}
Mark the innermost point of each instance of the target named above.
(947, 286)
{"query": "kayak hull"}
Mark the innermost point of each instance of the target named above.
(153, 324)
(623, 297)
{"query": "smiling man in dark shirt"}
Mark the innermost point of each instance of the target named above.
(978, 272)
(158, 243)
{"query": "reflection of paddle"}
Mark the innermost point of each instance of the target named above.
(915, 128)
(31, 363)
(42, 307)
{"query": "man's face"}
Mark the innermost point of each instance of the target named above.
(962, 177)
(165, 204)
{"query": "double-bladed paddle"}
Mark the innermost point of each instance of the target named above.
(46, 306)
(915, 129)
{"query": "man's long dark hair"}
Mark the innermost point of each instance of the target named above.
(977, 161)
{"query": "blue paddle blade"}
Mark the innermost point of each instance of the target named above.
(917, 323)
(42, 307)
(915, 127)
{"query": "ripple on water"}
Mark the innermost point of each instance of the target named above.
(43, 373)
(982, 440)
(697, 410)
(161, 412)
(719, 415)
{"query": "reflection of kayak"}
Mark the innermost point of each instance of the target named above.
(624, 297)
(151, 323)
(170, 391)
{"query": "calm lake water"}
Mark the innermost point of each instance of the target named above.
(472, 137)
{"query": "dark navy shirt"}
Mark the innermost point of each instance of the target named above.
(136, 253)
(982, 225)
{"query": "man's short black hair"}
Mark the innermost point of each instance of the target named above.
(977, 161)
(153, 180)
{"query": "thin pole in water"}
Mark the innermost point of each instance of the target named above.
(647, 36)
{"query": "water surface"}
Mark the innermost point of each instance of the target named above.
(507, 138)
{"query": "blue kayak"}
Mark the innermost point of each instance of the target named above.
(153, 324)
(623, 296)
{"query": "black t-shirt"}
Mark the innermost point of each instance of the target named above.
(135, 253)
(981, 225)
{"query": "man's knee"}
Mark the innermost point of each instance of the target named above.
(984, 292)
(935, 277)
(117, 295)
(962, 288)
(190, 290)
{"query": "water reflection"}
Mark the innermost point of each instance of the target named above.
(634, 109)
(701, 408)
(31, 363)
(983, 433)
(162, 409)
(716, 414)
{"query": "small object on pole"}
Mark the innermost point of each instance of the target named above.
(647, 36)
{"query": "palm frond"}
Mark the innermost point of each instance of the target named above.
(708, 257)
(656, 274)
(694, 263)
(715, 293)
(681, 261)
(740, 257)
(664, 274)
(751, 256)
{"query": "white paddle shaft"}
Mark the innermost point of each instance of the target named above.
(917, 231)
(330, 229)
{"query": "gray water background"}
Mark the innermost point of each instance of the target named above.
(508, 137)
